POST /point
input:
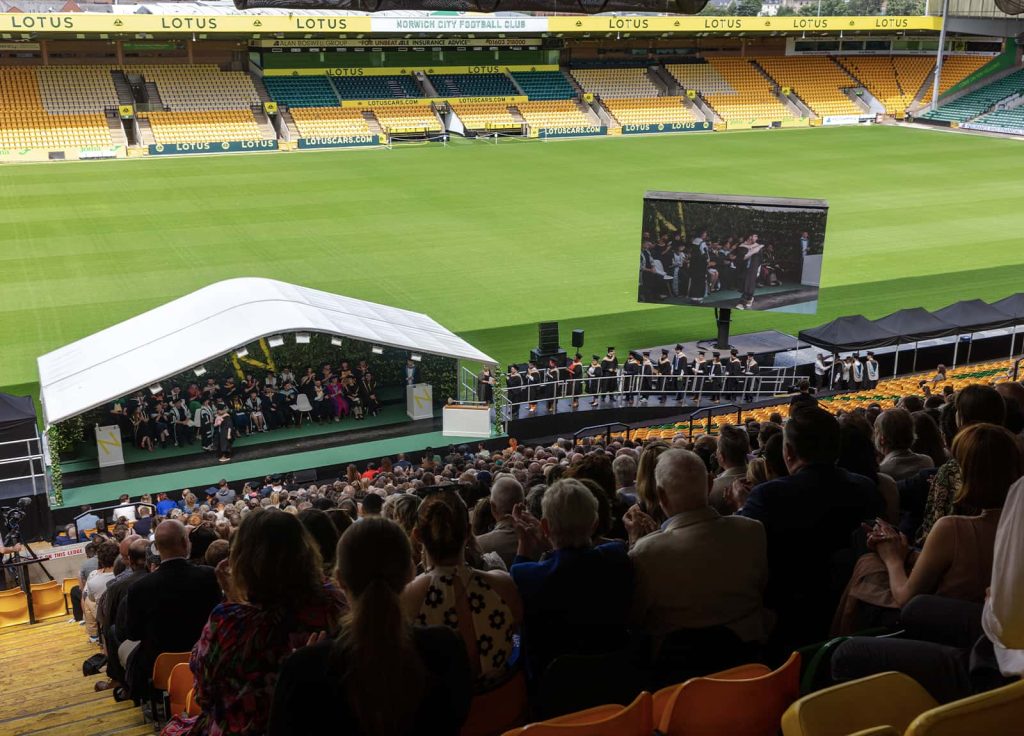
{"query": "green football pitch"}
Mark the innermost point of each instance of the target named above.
(490, 239)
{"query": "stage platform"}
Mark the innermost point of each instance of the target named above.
(761, 344)
(324, 448)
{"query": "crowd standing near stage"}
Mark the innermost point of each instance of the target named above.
(471, 582)
(216, 411)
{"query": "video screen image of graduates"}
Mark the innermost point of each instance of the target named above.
(732, 252)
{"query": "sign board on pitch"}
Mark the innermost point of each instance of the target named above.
(109, 450)
(460, 420)
(419, 401)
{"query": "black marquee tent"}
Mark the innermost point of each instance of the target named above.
(21, 468)
(856, 332)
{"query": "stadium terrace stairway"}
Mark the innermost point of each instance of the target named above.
(44, 692)
(817, 80)
(473, 85)
(301, 91)
(979, 101)
(954, 68)
(396, 86)
(544, 85)
(893, 80)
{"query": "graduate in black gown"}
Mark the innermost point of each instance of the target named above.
(631, 378)
(533, 387)
(664, 368)
(551, 378)
(516, 392)
(716, 375)
(733, 369)
(680, 370)
(368, 393)
(749, 254)
(699, 257)
(574, 374)
(594, 384)
(225, 432)
(609, 375)
(485, 386)
(354, 398)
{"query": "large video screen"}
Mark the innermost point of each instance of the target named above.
(732, 252)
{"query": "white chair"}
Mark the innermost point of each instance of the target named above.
(303, 406)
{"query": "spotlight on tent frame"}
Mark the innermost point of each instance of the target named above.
(377, 350)
(416, 357)
(241, 353)
(199, 371)
(336, 342)
(302, 338)
(155, 389)
(276, 341)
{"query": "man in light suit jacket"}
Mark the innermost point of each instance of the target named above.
(506, 492)
(700, 569)
(167, 609)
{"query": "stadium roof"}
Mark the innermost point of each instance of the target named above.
(214, 320)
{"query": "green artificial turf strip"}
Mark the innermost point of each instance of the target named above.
(490, 239)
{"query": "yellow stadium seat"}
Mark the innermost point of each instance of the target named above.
(887, 699)
(13, 608)
(995, 713)
(47, 600)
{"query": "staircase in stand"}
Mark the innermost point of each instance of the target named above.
(261, 89)
(516, 115)
(264, 124)
(117, 134)
(123, 88)
(372, 123)
(153, 96)
(146, 137)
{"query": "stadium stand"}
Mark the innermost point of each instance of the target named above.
(979, 101)
(376, 88)
(76, 89)
(206, 126)
(544, 85)
(473, 85)
(893, 80)
(323, 122)
(407, 119)
(612, 83)
(34, 115)
(955, 68)
(553, 114)
(301, 91)
(816, 80)
(751, 96)
(485, 115)
(649, 110)
(200, 87)
(1001, 121)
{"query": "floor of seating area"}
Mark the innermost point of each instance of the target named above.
(43, 691)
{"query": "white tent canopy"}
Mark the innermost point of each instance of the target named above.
(213, 321)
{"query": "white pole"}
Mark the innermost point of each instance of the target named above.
(938, 57)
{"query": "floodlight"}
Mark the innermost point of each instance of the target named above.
(302, 338)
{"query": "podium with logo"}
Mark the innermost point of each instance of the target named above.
(419, 401)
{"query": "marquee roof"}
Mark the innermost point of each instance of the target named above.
(215, 320)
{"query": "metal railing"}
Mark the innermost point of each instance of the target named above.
(599, 428)
(687, 391)
(710, 411)
(33, 455)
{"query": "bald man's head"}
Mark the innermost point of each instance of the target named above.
(682, 481)
(137, 552)
(125, 544)
(171, 539)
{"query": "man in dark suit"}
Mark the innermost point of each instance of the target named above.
(111, 614)
(167, 610)
(810, 517)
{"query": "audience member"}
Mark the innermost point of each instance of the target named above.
(482, 606)
(894, 436)
(96, 586)
(731, 453)
(506, 494)
(928, 439)
(688, 574)
(624, 468)
(323, 533)
(112, 611)
(576, 598)
(275, 599)
(217, 551)
(167, 609)
(809, 517)
(381, 676)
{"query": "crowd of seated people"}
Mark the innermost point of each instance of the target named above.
(488, 587)
(218, 411)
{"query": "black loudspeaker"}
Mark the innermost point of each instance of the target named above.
(547, 341)
(539, 357)
(304, 476)
(577, 338)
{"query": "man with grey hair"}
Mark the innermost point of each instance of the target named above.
(624, 468)
(576, 600)
(506, 493)
(700, 569)
(731, 453)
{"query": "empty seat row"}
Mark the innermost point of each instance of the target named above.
(553, 114)
(609, 83)
(485, 115)
(328, 122)
(817, 80)
(377, 87)
(208, 126)
(473, 85)
(650, 110)
(544, 85)
(978, 101)
(301, 91)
